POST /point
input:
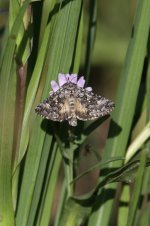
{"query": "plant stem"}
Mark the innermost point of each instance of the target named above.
(70, 185)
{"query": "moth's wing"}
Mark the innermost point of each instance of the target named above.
(90, 106)
(53, 108)
(81, 111)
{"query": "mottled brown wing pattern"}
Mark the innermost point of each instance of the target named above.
(81, 111)
(51, 107)
(90, 106)
(71, 102)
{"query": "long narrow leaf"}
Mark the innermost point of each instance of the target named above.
(7, 100)
(137, 189)
(57, 62)
(126, 100)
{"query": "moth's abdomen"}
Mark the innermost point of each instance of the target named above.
(73, 121)
(72, 107)
(71, 102)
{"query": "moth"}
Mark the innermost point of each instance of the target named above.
(71, 101)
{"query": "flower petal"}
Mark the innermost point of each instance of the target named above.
(62, 79)
(88, 88)
(73, 78)
(55, 86)
(81, 82)
(67, 77)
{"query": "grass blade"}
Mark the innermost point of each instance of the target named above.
(46, 209)
(7, 100)
(137, 189)
(44, 171)
(126, 100)
(59, 58)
